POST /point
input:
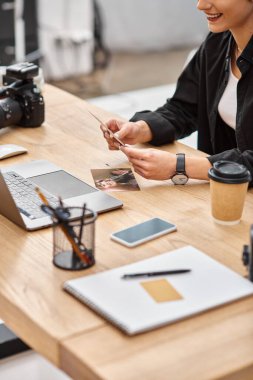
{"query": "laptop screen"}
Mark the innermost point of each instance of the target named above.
(63, 184)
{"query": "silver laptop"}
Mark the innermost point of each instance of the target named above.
(20, 203)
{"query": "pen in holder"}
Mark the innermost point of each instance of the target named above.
(73, 234)
(74, 241)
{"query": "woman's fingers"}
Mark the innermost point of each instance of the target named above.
(112, 143)
(113, 125)
(133, 153)
(151, 163)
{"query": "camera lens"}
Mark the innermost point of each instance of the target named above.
(10, 112)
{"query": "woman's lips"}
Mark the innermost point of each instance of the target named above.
(213, 17)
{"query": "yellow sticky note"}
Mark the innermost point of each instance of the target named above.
(161, 290)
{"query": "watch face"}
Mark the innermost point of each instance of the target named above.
(179, 179)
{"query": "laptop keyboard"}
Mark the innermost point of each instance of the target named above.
(25, 196)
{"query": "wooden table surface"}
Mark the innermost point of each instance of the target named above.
(214, 344)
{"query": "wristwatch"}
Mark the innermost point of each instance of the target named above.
(180, 177)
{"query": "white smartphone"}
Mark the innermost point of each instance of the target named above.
(142, 232)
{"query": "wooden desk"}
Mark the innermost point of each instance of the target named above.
(215, 344)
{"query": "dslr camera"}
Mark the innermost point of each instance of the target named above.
(21, 102)
(247, 255)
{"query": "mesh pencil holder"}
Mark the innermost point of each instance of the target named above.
(74, 241)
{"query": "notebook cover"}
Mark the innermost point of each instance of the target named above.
(134, 309)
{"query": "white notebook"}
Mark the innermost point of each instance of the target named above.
(143, 304)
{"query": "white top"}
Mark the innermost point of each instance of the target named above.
(228, 104)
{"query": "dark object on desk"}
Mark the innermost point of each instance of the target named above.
(154, 274)
(21, 101)
(73, 234)
(10, 344)
(247, 255)
(74, 241)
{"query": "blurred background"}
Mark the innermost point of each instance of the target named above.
(100, 47)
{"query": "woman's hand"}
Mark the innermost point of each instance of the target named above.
(151, 163)
(128, 132)
(160, 165)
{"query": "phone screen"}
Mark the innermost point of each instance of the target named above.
(142, 232)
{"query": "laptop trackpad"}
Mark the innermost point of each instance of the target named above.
(63, 184)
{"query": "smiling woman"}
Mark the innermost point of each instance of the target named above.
(232, 15)
(214, 96)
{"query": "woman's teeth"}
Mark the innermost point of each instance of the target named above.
(214, 16)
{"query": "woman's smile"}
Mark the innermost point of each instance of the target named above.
(213, 17)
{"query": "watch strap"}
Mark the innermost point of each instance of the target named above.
(180, 166)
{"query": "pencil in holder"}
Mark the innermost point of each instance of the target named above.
(74, 240)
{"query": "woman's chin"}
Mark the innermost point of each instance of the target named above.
(215, 28)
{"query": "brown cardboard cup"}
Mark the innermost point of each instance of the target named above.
(228, 188)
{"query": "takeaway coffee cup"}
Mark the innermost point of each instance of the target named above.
(228, 186)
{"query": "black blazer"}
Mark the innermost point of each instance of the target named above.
(194, 106)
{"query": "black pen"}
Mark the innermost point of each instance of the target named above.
(153, 274)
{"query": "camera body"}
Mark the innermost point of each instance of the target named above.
(21, 102)
(247, 255)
